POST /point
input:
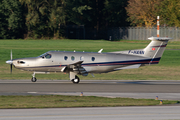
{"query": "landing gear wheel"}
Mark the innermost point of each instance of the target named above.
(76, 80)
(33, 79)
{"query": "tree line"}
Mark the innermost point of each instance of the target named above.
(48, 18)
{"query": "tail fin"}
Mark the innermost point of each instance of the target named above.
(156, 48)
(153, 51)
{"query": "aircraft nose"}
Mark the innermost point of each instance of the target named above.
(9, 62)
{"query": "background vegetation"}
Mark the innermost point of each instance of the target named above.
(48, 18)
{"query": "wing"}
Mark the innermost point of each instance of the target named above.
(76, 68)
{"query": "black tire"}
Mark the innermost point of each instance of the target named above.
(76, 80)
(33, 79)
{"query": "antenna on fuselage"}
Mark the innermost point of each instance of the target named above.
(100, 50)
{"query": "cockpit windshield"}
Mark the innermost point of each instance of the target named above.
(43, 55)
(46, 55)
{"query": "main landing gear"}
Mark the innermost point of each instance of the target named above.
(33, 79)
(76, 80)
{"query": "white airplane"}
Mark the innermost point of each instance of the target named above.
(82, 63)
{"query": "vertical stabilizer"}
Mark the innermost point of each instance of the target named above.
(156, 48)
(153, 51)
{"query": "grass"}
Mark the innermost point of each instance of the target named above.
(58, 101)
(167, 69)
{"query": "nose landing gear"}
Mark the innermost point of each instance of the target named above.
(33, 79)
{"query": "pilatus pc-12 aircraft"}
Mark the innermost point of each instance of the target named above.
(82, 63)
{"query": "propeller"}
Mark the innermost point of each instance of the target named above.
(10, 61)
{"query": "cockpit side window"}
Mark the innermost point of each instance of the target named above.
(48, 56)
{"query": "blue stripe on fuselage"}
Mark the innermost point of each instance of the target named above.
(145, 61)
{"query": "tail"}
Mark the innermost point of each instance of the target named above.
(156, 48)
(153, 51)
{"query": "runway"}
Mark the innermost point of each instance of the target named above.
(165, 90)
(94, 113)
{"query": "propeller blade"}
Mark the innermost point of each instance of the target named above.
(11, 63)
(11, 68)
(11, 55)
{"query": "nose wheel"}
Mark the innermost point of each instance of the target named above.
(76, 80)
(33, 79)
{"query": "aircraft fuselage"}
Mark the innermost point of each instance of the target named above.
(92, 62)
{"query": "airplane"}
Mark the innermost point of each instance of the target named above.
(82, 63)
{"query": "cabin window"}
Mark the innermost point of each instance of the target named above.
(72, 58)
(93, 58)
(65, 57)
(48, 56)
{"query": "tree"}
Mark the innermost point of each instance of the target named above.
(143, 12)
(115, 13)
(36, 18)
(78, 11)
(11, 20)
(44, 17)
(170, 12)
(57, 16)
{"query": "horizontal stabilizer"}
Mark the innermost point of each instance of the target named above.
(159, 38)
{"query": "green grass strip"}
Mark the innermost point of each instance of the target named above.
(59, 101)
